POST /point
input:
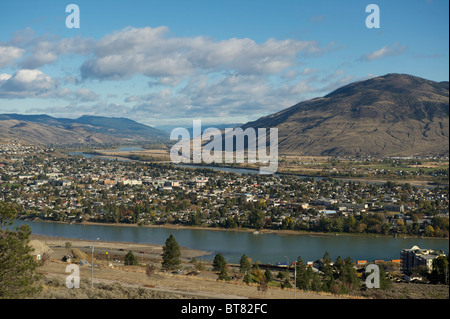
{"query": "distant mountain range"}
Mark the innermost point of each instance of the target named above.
(391, 115)
(44, 129)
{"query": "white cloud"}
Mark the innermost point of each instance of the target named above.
(26, 83)
(47, 49)
(393, 50)
(36, 84)
(151, 52)
(8, 54)
(308, 71)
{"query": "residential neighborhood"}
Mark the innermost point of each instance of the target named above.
(78, 189)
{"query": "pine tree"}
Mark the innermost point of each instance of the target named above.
(269, 275)
(223, 275)
(171, 254)
(219, 263)
(316, 283)
(328, 278)
(18, 277)
(351, 277)
(302, 281)
(130, 259)
(245, 264)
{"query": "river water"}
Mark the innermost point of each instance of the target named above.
(267, 248)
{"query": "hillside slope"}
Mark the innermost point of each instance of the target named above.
(44, 129)
(391, 115)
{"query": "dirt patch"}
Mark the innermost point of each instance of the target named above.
(204, 285)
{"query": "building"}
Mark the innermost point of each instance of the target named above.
(416, 257)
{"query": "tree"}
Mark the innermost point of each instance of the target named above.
(219, 263)
(247, 278)
(223, 275)
(348, 276)
(256, 219)
(286, 284)
(440, 270)
(328, 278)
(171, 253)
(245, 264)
(258, 275)
(18, 277)
(302, 281)
(385, 282)
(316, 283)
(269, 275)
(130, 259)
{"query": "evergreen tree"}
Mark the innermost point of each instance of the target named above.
(302, 281)
(247, 277)
(351, 277)
(440, 270)
(269, 275)
(328, 277)
(223, 275)
(244, 264)
(171, 254)
(18, 277)
(339, 267)
(219, 263)
(286, 284)
(130, 259)
(316, 283)
(385, 282)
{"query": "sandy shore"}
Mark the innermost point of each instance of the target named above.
(57, 244)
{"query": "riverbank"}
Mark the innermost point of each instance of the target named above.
(152, 251)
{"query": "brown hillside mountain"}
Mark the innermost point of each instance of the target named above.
(391, 115)
(44, 129)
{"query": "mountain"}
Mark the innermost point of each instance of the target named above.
(44, 129)
(391, 115)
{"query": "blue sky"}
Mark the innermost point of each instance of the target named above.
(168, 62)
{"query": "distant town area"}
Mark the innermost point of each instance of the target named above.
(42, 183)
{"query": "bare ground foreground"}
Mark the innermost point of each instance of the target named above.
(161, 284)
(114, 280)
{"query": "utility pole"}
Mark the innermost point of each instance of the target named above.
(295, 279)
(92, 271)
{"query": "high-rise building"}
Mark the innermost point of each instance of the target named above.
(415, 257)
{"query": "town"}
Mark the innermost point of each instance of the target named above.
(75, 189)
